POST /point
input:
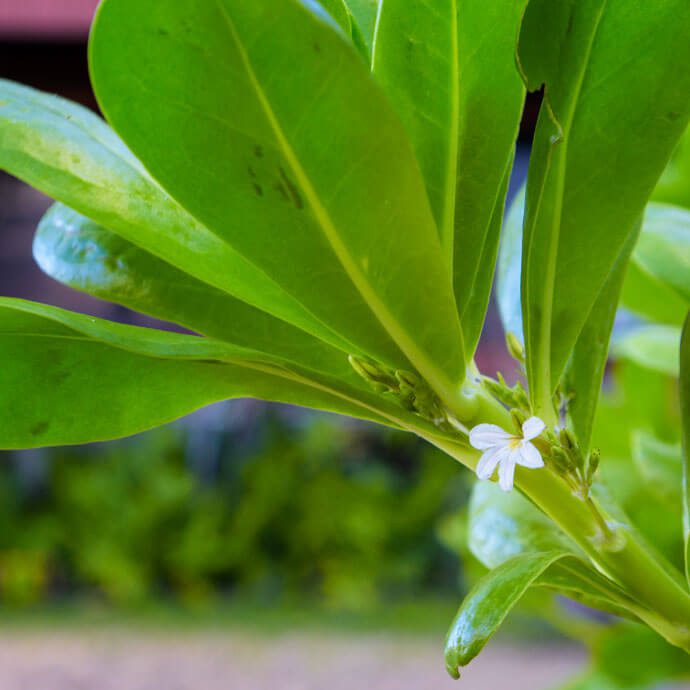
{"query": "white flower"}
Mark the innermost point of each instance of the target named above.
(506, 450)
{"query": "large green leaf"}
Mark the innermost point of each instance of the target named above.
(449, 69)
(70, 154)
(685, 420)
(584, 373)
(503, 526)
(489, 602)
(652, 347)
(81, 364)
(77, 252)
(266, 125)
(135, 378)
(595, 158)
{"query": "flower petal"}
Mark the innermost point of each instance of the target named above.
(529, 456)
(485, 436)
(490, 458)
(506, 472)
(532, 428)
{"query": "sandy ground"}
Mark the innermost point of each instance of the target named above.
(114, 661)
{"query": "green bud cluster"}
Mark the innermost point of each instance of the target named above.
(567, 459)
(409, 389)
(511, 397)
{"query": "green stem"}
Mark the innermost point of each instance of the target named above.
(620, 553)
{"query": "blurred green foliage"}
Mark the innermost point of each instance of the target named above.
(295, 506)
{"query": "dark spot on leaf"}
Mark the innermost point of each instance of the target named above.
(39, 428)
(163, 32)
(251, 171)
(317, 47)
(279, 188)
(292, 189)
(259, 151)
(672, 116)
(258, 189)
(569, 28)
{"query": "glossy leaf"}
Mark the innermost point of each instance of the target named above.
(663, 250)
(489, 602)
(685, 424)
(77, 252)
(595, 159)
(503, 526)
(584, 373)
(310, 177)
(70, 154)
(135, 378)
(449, 69)
(660, 465)
(652, 347)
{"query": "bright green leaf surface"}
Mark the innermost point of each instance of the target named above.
(77, 252)
(595, 158)
(449, 69)
(685, 423)
(72, 155)
(489, 602)
(286, 149)
(584, 373)
(653, 347)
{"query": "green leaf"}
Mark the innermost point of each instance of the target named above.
(646, 296)
(60, 366)
(364, 13)
(309, 176)
(503, 526)
(77, 252)
(652, 347)
(71, 155)
(685, 424)
(133, 378)
(489, 602)
(663, 250)
(449, 69)
(595, 159)
(659, 464)
(584, 373)
(674, 185)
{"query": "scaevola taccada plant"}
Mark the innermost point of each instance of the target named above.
(318, 190)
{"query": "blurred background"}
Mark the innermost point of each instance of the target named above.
(249, 545)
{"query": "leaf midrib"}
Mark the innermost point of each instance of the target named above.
(326, 224)
(543, 394)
